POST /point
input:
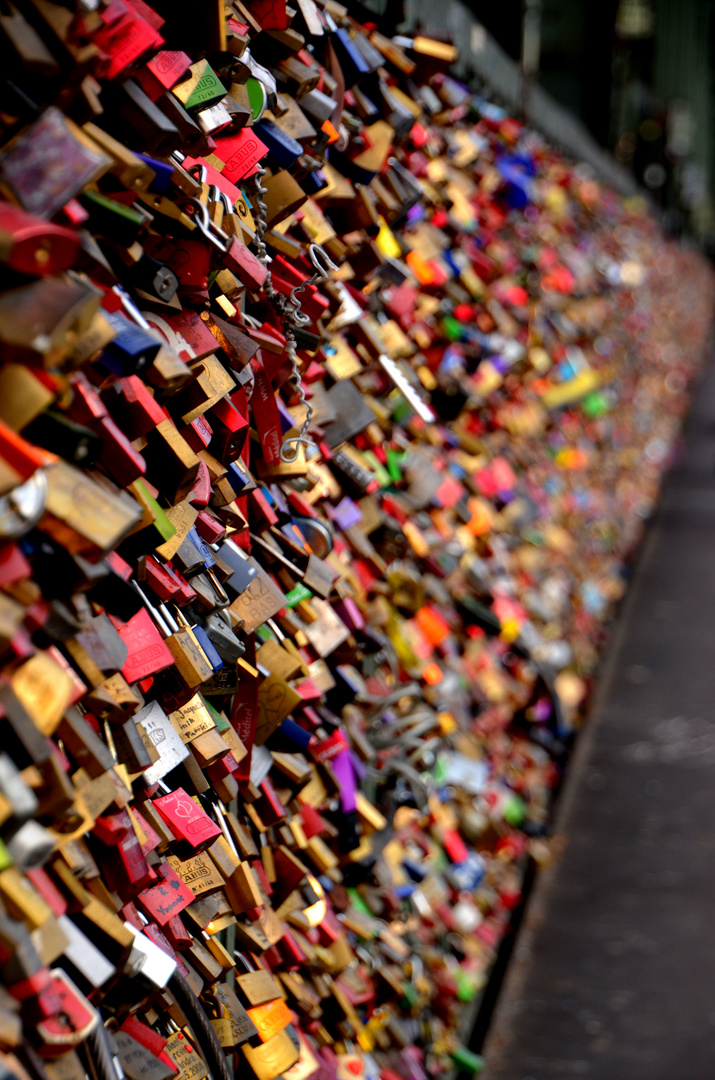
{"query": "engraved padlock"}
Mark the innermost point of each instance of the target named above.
(257, 984)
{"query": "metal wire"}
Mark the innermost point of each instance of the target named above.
(206, 1038)
(262, 223)
(101, 1065)
(290, 313)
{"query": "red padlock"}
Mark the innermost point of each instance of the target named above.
(30, 245)
(71, 1024)
(187, 820)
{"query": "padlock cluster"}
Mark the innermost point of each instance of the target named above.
(332, 406)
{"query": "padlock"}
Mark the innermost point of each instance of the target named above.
(220, 633)
(192, 137)
(186, 819)
(73, 1022)
(148, 960)
(137, 1061)
(31, 246)
(191, 661)
(201, 89)
(80, 164)
(273, 1057)
(242, 1028)
(138, 120)
(64, 306)
(168, 455)
(157, 732)
(270, 1018)
(257, 984)
(307, 560)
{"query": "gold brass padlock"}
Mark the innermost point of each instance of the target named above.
(272, 1057)
(270, 1018)
(242, 1027)
(283, 197)
(259, 986)
(238, 220)
(189, 1062)
(190, 659)
(222, 1026)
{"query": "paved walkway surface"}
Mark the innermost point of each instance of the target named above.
(613, 975)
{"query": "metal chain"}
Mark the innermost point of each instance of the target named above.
(290, 313)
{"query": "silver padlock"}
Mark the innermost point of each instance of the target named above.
(31, 846)
(148, 960)
(222, 637)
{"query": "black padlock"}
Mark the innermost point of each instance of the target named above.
(154, 278)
